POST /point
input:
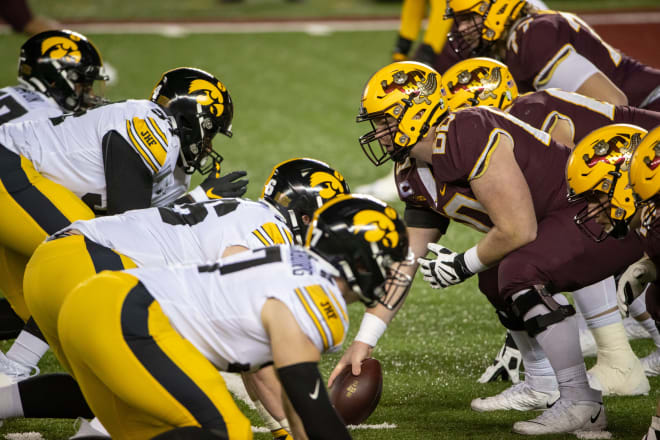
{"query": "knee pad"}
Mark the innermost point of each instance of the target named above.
(539, 295)
(509, 320)
(191, 433)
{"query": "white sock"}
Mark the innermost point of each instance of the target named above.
(96, 424)
(638, 306)
(538, 372)
(27, 349)
(10, 402)
(649, 326)
(594, 300)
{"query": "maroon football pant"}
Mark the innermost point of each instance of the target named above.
(562, 258)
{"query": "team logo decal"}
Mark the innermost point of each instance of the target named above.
(332, 185)
(614, 151)
(653, 163)
(377, 226)
(413, 84)
(212, 94)
(479, 80)
(61, 48)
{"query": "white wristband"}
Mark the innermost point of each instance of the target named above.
(473, 262)
(198, 194)
(371, 328)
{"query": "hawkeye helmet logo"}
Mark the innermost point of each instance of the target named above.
(332, 184)
(377, 226)
(413, 84)
(210, 96)
(62, 48)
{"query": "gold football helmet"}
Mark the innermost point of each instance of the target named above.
(479, 81)
(599, 166)
(401, 101)
(480, 23)
(644, 178)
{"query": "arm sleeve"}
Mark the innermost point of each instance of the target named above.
(128, 182)
(301, 381)
(418, 217)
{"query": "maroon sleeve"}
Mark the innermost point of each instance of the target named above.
(535, 43)
(646, 119)
(462, 143)
(530, 108)
(15, 12)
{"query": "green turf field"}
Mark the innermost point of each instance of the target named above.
(297, 95)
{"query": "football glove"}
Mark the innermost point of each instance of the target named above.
(447, 269)
(633, 282)
(425, 54)
(506, 364)
(216, 187)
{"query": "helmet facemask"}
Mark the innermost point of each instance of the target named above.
(598, 204)
(468, 42)
(384, 130)
(650, 218)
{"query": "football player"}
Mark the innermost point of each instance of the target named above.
(530, 250)
(567, 117)
(170, 329)
(155, 237)
(551, 49)
(58, 71)
(646, 188)
(105, 160)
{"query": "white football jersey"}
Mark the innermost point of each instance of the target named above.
(218, 307)
(187, 234)
(19, 104)
(68, 148)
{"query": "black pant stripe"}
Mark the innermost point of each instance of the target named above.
(37, 205)
(134, 323)
(103, 258)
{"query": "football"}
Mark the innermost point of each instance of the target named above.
(356, 397)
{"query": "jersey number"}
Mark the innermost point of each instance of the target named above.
(9, 108)
(192, 214)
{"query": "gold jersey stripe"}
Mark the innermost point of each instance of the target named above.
(328, 312)
(341, 309)
(150, 141)
(157, 128)
(260, 237)
(288, 236)
(273, 232)
(310, 312)
(137, 146)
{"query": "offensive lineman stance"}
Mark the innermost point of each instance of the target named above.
(171, 328)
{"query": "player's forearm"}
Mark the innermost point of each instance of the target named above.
(498, 243)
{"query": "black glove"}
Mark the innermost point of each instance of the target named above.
(216, 187)
(425, 54)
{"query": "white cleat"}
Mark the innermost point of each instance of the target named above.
(588, 344)
(13, 372)
(634, 330)
(520, 397)
(84, 429)
(585, 419)
(506, 365)
(625, 378)
(651, 364)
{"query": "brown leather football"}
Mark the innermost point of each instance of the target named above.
(356, 397)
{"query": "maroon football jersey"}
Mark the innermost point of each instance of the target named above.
(465, 141)
(542, 110)
(540, 42)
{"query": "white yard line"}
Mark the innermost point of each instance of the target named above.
(312, 27)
